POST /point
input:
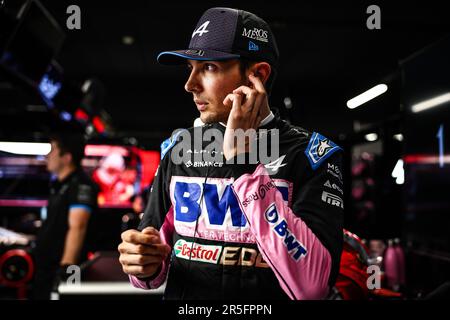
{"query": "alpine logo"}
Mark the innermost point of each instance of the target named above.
(332, 199)
(295, 248)
(274, 166)
(252, 46)
(201, 30)
(256, 34)
(197, 252)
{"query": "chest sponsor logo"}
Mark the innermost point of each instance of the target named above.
(229, 255)
(197, 252)
(203, 164)
(242, 256)
(218, 212)
(332, 199)
(280, 227)
(212, 152)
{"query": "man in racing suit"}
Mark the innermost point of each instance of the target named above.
(258, 230)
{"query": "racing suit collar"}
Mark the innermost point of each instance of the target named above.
(264, 122)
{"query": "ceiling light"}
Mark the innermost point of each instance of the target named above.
(371, 137)
(431, 103)
(366, 96)
(127, 40)
(287, 102)
(86, 85)
(26, 148)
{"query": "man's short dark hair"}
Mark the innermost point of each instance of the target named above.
(245, 64)
(73, 143)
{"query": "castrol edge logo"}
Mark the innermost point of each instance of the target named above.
(197, 252)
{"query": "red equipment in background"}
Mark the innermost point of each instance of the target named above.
(352, 281)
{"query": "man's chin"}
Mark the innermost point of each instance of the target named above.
(211, 118)
(207, 118)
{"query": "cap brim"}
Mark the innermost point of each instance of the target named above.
(180, 56)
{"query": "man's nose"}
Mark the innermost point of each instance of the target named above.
(192, 84)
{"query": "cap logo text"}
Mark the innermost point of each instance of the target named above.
(256, 34)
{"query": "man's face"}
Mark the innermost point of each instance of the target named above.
(54, 160)
(210, 82)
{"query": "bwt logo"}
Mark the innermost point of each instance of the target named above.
(280, 227)
(219, 205)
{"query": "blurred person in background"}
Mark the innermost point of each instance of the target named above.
(62, 238)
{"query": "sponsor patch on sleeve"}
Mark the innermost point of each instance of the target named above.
(319, 149)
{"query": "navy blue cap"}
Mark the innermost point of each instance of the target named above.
(224, 33)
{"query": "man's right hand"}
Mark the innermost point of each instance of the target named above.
(141, 253)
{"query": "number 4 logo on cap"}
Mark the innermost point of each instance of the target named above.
(201, 30)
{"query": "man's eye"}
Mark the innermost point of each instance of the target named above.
(210, 67)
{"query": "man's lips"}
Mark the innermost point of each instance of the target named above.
(201, 105)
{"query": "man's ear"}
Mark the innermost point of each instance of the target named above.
(262, 70)
(67, 158)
